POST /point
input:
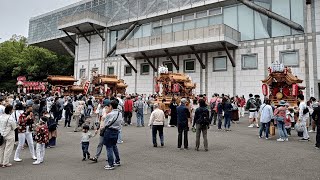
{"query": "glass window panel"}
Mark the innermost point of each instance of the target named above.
(282, 8)
(167, 29)
(189, 25)
(110, 70)
(213, 20)
(230, 17)
(177, 19)
(169, 65)
(146, 30)
(156, 31)
(220, 63)
(289, 58)
(82, 73)
(189, 65)
(166, 22)
(203, 22)
(156, 24)
(127, 70)
(245, 28)
(113, 36)
(188, 17)
(177, 27)
(250, 61)
(145, 68)
(215, 11)
(138, 32)
(297, 13)
(262, 22)
(201, 14)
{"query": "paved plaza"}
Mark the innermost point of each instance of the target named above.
(238, 154)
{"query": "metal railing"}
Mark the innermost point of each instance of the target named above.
(80, 16)
(214, 31)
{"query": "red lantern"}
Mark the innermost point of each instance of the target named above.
(157, 88)
(264, 89)
(176, 88)
(295, 90)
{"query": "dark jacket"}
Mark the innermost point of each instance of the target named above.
(183, 114)
(69, 108)
(227, 108)
(200, 112)
(316, 115)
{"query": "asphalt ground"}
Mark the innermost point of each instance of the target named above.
(237, 154)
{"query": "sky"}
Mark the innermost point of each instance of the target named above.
(15, 14)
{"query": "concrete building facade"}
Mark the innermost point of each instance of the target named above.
(223, 45)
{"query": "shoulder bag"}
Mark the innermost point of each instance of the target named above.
(102, 130)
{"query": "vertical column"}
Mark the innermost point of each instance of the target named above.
(234, 73)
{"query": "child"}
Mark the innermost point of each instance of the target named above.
(86, 135)
(41, 137)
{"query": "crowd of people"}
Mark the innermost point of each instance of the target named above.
(34, 118)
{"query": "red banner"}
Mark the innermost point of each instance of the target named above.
(264, 89)
(295, 90)
(86, 87)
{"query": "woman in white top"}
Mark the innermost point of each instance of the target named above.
(7, 127)
(266, 116)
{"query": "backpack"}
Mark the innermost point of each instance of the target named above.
(55, 107)
(204, 118)
(213, 105)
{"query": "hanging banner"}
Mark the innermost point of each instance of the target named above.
(295, 90)
(264, 89)
(86, 87)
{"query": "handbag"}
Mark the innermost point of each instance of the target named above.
(102, 130)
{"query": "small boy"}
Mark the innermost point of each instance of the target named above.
(86, 135)
(41, 137)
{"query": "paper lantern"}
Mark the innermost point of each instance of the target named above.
(295, 90)
(264, 89)
(176, 88)
(275, 91)
(157, 88)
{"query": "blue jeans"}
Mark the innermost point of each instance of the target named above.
(227, 119)
(264, 127)
(110, 140)
(140, 121)
(282, 130)
(120, 136)
(156, 128)
(219, 120)
(85, 148)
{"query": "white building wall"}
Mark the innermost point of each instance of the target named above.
(83, 53)
(95, 47)
(220, 82)
(144, 82)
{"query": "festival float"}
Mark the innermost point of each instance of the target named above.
(281, 84)
(106, 85)
(25, 86)
(171, 85)
(64, 85)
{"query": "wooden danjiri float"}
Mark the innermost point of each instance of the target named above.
(281, 84)
(176, 85)
(64, 85)
(105, 85)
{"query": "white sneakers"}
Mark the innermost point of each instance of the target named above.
(36, 163)
(312, 131)
(251, 125)
(280, 140)
(17, 159)
(34, 158)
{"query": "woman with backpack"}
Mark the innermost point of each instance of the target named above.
(202, 122)
(279, 117)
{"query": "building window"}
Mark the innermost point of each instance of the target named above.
(82, 73)
(110, 71)
(190, 65)
(216, 11)
(289, 58)
(95, 70)
(177, 19)
(127, 71)
(169, 65)
(201, 14)
(145, 69)
(188, 17)
(220, 64)
(250, 61)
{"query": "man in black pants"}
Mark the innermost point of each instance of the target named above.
(316, 118)
(183, 115)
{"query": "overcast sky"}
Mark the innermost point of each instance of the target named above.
(15, 14)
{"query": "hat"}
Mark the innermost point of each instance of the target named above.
(282, 103)
(86, 127)
(106, 102)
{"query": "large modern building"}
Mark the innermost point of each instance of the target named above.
(225, 46)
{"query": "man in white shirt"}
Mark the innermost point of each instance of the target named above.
(157, 122)
(303, 115)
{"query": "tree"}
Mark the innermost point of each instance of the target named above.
(19, 59)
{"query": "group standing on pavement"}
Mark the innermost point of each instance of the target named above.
(35, 118)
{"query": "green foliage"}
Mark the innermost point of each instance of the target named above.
(19, 59)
